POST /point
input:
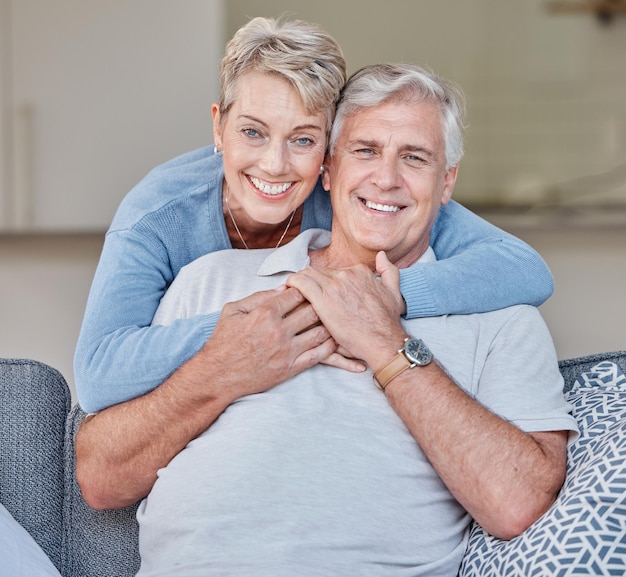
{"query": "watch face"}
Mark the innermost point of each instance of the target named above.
(417, 352)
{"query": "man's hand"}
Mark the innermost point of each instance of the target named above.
(275, 334)
(259, 341)
(359, 308)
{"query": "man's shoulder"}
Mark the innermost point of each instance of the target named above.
(481, 329)
(225, 263)
(522, 310)
(493, 322)
(235, 262)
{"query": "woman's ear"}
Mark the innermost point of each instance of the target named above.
(217, 127)
(326, 173)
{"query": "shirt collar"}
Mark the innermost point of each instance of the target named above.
(294, 256)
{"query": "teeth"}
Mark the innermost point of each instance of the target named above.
(267, 189)
(381, 207)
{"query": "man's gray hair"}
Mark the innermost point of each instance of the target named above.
(302, 53)
(374, 85)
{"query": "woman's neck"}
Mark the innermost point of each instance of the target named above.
(261, 235)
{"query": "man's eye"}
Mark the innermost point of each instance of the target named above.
(364, 152)
(416, 159)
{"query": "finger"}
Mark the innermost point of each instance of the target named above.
(390, 279)
(311, 337)
(314, 355)
(389, 273)
(257, 299)
(306, 282)
(287, 301)
(303, 317)
(341, 362)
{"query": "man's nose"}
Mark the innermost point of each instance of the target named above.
(386, 175)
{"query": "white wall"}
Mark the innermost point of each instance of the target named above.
(546, 93)
(44, 282)
(93, 94)
(587, 313)
(547, 98)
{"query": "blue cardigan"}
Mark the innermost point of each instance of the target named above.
(174, 215)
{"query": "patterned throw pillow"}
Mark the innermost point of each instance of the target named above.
(584, 532)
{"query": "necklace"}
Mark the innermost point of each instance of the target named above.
(230, 213)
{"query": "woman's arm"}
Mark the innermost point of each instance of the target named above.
(120, 450)
(119, 356)
(479, 268)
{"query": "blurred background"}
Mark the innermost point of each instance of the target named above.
(94, 93)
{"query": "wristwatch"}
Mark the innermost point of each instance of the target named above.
(414, 353)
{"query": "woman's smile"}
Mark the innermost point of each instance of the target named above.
(269, 189)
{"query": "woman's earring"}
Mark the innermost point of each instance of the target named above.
(322, 169)
(217, 151)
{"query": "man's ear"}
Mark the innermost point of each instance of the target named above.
(449, 180)
(217, 128)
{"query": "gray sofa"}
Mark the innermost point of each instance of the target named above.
(38, 487)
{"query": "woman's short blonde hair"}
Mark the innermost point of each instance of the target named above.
(301, 53)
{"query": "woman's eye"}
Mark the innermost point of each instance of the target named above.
(251, 132)
(304, 141)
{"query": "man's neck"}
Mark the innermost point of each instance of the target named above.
(336, 256)
(329, 257)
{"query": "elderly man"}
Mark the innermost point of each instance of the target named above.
(333, 472)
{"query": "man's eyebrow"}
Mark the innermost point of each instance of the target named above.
(421, 149)
(310, 126)
(365, 143)
(361, 142)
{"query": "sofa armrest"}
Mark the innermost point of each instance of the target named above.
(34, 403)
(96, 543)
(572, 368)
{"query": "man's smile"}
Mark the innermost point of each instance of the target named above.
(381, 207)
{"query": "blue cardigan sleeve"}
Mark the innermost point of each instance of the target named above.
(120, 356)
(479, 268)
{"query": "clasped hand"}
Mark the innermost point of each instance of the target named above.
(325, 316)
(357, 307)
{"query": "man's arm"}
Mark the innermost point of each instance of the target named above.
(504, 477)
(258, 342)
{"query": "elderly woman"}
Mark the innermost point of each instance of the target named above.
(258, 188)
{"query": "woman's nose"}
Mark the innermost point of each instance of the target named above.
(274, 159)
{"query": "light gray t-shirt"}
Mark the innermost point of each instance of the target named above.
(319, 476)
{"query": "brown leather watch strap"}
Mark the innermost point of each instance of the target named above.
(391, 370)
